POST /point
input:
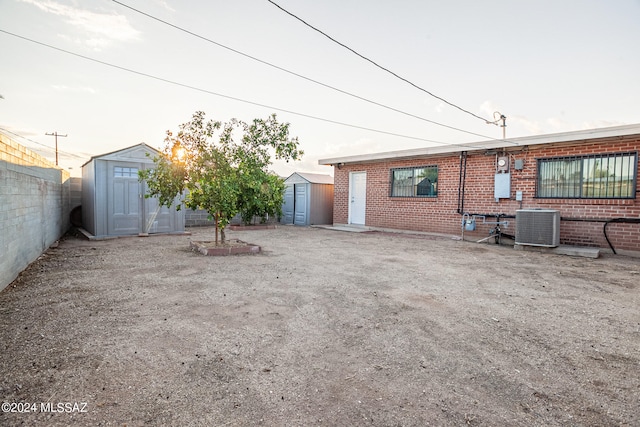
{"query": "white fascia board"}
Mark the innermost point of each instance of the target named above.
(582, 135)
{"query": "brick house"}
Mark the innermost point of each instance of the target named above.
(590, 177)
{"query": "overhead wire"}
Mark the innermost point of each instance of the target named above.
(195, 88)
(376, 64)
(379, 104)
(43, 145)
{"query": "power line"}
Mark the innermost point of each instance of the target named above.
(43, 145)
(225, 96)
(294, 73)
(375, 63)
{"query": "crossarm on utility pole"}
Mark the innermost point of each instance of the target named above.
(56, 134)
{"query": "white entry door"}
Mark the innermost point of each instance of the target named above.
(357, 197)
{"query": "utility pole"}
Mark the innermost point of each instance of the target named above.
(499, 116)
(56, 135)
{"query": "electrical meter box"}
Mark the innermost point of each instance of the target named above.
(502, 188)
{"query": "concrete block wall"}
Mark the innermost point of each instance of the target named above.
(200, 218)
(197, 218)
(76, 191)
(35, 201)
(439, 214)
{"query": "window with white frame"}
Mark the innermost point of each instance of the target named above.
(599, 176)
(122, 172)
(419, 181)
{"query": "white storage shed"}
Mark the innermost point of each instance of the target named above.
(308, 199)
(113, 202)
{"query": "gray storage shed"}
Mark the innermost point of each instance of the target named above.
(308, 199)
(113, 202)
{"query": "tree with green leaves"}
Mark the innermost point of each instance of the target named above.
(220, 172)
(261, 196)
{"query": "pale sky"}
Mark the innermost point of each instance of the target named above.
(549, 66)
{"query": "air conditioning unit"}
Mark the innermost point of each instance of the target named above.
(538, 227)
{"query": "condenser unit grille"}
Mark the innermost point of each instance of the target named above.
(538, 227)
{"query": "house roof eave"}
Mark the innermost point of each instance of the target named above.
(574, 136)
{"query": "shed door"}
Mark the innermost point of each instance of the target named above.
(357, 197)
(287, 207)
(157, 219)
(300, 204)
(123, 199)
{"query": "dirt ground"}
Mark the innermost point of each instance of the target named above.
(322, 328)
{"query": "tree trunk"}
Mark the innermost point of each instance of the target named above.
(215, 217)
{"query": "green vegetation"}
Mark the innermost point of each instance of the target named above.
(223, 168)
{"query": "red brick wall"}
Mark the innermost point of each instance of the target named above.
(439, 214)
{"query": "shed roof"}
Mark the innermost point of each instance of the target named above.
(313, 178)
(132, 150)
(576, 136)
